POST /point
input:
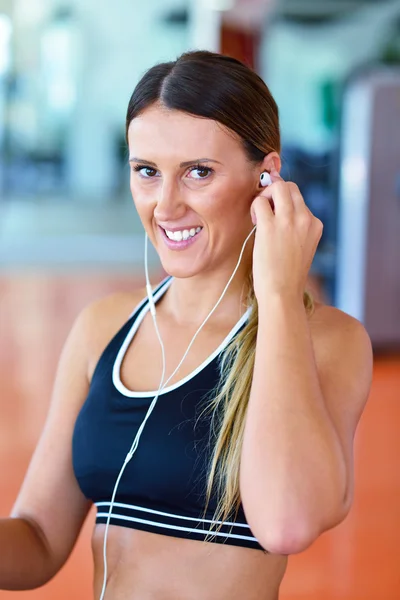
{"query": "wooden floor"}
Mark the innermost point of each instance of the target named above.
(359, 560)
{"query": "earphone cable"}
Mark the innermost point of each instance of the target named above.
(160, 388)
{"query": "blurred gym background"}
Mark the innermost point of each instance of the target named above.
(69, 232)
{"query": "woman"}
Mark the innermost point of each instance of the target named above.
(247, 455)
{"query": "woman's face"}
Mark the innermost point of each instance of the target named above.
(189, 173)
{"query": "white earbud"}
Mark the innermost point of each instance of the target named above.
(265, 179)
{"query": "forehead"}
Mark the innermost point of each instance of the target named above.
(158, 127)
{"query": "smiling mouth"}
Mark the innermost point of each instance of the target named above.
(182, 234)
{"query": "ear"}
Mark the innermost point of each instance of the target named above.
(271, 161)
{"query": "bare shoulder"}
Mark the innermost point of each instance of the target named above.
(103, 318)
(342, 345)
(112, 310)
(328, 320)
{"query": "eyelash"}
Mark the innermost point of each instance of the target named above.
(197, 167)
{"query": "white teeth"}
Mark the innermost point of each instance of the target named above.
(185, 234)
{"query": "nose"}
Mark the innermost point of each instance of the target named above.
(170, 205)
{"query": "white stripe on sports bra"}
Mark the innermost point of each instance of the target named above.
(116, 374)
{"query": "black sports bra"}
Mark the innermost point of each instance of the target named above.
(162, 489)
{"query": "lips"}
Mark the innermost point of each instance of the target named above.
(178, 245)
(181, 228)
(180, 235)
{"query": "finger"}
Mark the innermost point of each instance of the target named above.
(275, 176)
(300, 207)
(260, 207)
(278, 193)
(298, 200)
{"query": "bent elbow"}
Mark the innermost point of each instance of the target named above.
(290, 540)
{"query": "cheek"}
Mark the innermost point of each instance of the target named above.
(229, 203)
(142, 198)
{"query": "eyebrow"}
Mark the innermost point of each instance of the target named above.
(183, 164)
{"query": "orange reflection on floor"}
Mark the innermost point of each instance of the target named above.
(359, 560)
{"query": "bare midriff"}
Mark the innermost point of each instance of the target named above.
(148, 566)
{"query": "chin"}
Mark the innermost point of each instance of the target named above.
(180, 271)
(180, 268)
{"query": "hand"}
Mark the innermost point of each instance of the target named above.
(286, 239)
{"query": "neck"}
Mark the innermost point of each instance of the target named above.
(189, 301)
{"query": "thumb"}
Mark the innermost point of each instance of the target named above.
(275, 176)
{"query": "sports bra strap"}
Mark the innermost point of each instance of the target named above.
(145, 299)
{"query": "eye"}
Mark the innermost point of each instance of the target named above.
(203, 171)
(145, 171)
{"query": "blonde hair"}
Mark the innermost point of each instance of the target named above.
(229, 402)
